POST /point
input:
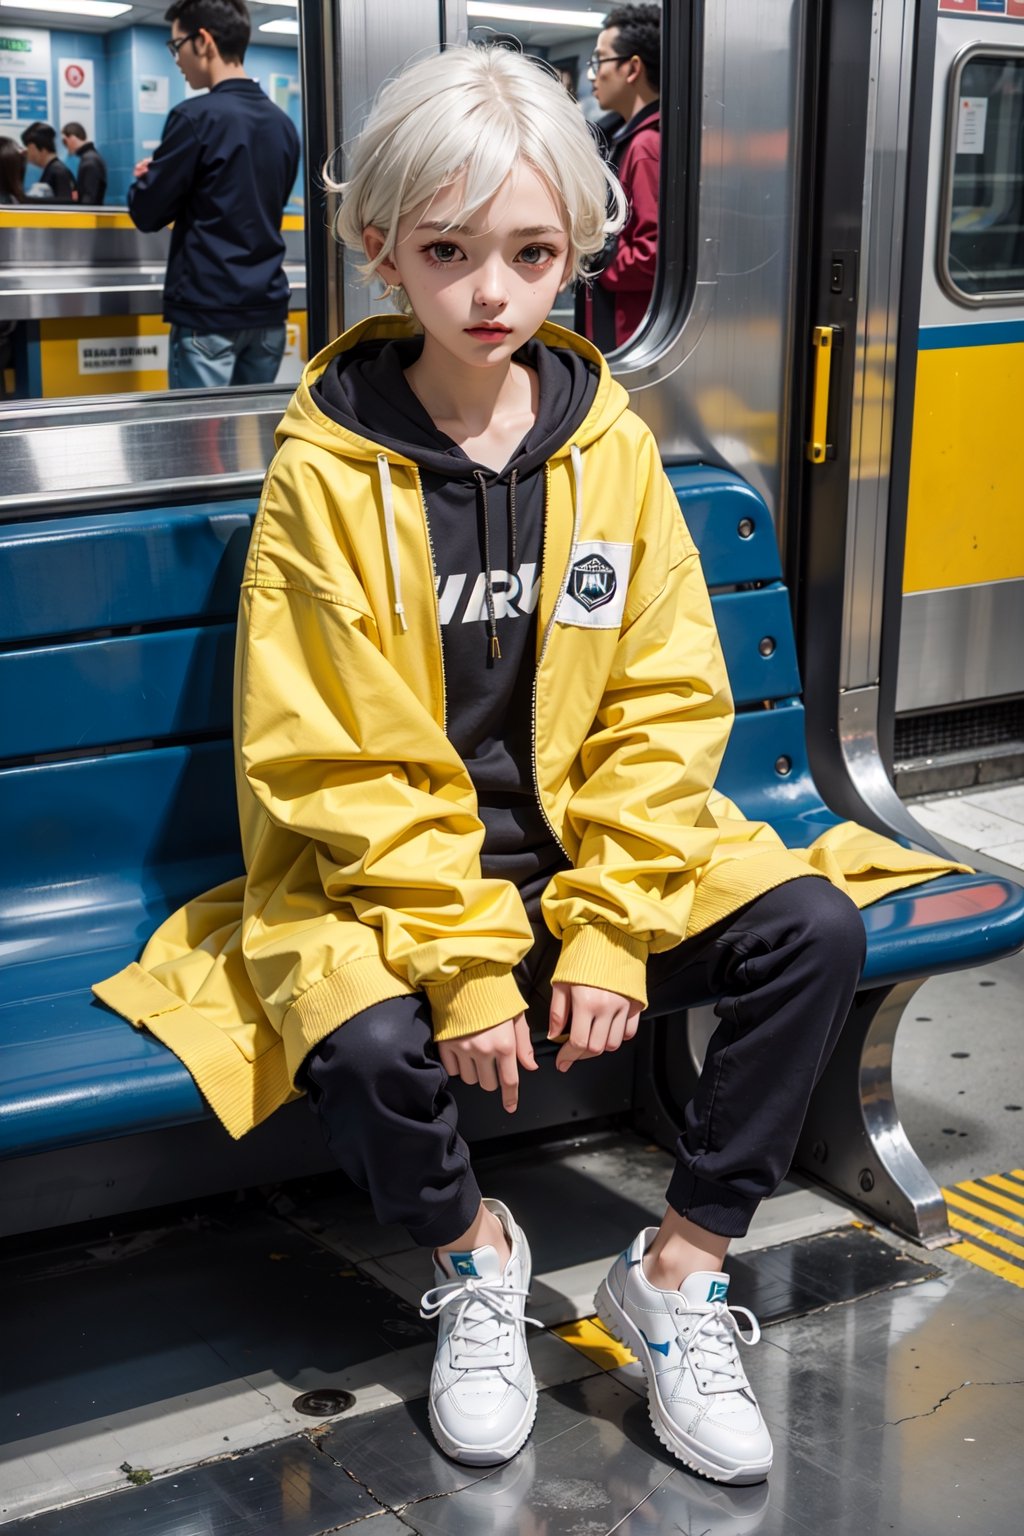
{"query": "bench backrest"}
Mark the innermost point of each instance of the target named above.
(116, 646)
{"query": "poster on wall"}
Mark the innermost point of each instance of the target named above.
(24, 78)
(154, 94)
(76, 86)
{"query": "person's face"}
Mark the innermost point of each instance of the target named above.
(482, 288)
(190, 56)
(610, 79)
(72, 143)
(33, 155)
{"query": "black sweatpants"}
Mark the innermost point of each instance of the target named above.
(784, 969)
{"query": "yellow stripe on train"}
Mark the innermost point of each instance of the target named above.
(964, 523)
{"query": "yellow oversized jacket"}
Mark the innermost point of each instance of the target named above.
(359, 820)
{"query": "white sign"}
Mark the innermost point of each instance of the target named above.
(970, 125)
(24, 79)
(154, 94)
(76, 85)
(122, 354)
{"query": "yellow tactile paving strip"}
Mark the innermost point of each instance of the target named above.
(990, 1213)
(592, 1339)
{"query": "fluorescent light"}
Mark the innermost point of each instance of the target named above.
(543, 14)
(105, 8)
(279, 3)
(282, 24)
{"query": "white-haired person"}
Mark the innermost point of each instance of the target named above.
(480, 706)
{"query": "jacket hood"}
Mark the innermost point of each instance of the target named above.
(305, 420)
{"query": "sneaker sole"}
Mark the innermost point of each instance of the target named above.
(685, 1449)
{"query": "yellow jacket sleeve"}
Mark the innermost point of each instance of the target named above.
(335, 749)
(649, 764)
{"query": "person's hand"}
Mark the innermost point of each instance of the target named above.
(597, 1021)
(492, 1058)
(142, 166)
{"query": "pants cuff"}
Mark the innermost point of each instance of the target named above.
(456, 1216)
(714, 1207)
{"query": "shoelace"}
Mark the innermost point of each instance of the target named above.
(711, 1347)
(466, 1330)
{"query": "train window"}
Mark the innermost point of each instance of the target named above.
(83, 307)
(982, 251)
(614, 73)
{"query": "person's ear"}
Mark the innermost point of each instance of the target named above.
(373, 244)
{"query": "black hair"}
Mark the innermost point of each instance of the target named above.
(227, 22)
(40, 136)
(75, 130)
(639, 28)
(12, 171)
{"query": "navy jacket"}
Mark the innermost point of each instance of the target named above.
(92, 175)
(222, 174)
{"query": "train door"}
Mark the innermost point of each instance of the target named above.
(958, 694)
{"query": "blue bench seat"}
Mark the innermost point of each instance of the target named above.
(117, 802)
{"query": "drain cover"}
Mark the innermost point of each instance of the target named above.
(323, 1402)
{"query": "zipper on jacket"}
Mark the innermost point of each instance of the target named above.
(544, 645)
(437, 605)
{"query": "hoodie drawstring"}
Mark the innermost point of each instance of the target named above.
(384, 470)
(481, 484)
(492, 623)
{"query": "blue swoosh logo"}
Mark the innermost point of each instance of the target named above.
(662, 1349)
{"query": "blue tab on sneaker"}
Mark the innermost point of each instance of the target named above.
(463, 1263)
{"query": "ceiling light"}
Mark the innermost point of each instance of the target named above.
(543, 14)
(105, 8)
(279, 3)
(282, 24)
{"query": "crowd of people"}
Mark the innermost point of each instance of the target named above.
(55, 182)
(225, 299)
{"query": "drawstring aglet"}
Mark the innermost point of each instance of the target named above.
(495, 649)
(400, 615)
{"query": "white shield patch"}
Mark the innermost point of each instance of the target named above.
(595, 592)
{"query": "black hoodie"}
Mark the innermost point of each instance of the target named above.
(482, 522)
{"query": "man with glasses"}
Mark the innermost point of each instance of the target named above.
(221, 175)
(625, 74)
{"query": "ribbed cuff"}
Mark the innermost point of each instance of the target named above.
(714, 1207)
(598, 955)
(475, 999)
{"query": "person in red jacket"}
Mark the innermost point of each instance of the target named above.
(625, 71)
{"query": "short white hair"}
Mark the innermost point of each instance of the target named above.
(473, 113)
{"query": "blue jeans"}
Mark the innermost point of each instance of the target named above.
(212, 360)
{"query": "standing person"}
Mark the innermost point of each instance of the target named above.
(92, 168)
(222, 174)
(12, 172)
(625, 73)
(480, 704)
(12, 193)
(40, 143)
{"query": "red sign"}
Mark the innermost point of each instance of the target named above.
(74, 74)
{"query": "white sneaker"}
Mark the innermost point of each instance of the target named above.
(702, 1407)
(483, 1398)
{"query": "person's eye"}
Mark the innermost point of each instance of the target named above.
(536, 255)
(442, 253)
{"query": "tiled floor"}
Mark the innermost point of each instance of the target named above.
(897, 1412)
(986, 821)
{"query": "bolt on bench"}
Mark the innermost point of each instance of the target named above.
(117, 805)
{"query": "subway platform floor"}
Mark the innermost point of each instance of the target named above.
(153, 1375)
